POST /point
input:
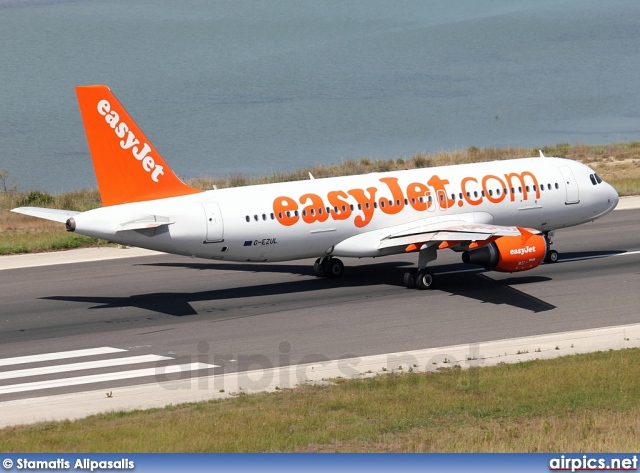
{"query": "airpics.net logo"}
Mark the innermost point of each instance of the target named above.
(129, 140)
(523, 251)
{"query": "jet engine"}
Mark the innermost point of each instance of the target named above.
(509, 254)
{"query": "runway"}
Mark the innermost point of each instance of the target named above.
(145, 315)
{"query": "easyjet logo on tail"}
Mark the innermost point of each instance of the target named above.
(129, 141)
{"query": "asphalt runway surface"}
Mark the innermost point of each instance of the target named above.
(143, 316)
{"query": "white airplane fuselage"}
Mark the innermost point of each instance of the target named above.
(317, 217)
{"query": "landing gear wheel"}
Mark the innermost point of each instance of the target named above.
(333, 268)
(424, 279)
(318, 268)
(410, 280)
(552, 257)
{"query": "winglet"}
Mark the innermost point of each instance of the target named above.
(128, 168)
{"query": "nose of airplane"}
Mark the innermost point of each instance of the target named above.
(614, 199)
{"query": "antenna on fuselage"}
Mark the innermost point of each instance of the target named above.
(541, 154)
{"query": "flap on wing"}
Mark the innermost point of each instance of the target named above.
(444, 231)
(149, 221)
(55, 215)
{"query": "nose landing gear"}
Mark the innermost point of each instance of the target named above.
(552, 255)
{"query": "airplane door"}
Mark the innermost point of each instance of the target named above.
(215, 228)
(573, 194)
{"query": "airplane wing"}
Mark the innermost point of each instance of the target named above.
(48, 214)
(445, 232)
(454, 231)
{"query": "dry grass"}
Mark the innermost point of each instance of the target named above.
(616, 163)
(23, 234)
(579, 403)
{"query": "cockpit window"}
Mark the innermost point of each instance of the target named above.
(593, 179)
(598, 179)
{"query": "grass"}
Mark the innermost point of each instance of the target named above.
(22, 234)
(616, 163)
(579, 403)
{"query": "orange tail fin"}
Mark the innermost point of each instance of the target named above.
(128, 168)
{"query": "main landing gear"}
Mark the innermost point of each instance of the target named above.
(328, 267)
(423, 278)
(420, 279)
(552, 255)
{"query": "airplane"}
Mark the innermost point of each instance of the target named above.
(500, 215)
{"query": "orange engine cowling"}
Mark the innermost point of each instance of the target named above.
(509, 254)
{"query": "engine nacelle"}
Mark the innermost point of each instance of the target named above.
(509, 254)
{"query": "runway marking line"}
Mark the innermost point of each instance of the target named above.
(580, 258)
(61, 355)
(87, 365)
(99, 378)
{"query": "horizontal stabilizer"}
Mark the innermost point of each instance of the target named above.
(55, 215)
(150, 221)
